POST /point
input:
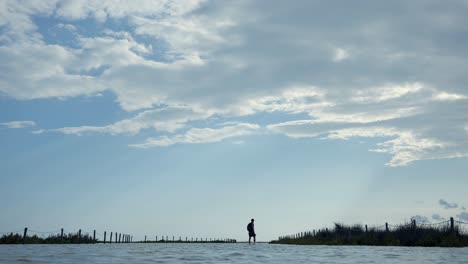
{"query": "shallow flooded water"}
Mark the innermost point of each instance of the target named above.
(226, 253)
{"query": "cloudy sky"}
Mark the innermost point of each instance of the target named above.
(191, 117)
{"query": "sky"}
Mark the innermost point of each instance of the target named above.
(189, 118)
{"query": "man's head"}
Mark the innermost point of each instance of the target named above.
(252, 220)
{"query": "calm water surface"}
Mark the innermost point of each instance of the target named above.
(225, 253)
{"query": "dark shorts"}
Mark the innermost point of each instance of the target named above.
(252, 234)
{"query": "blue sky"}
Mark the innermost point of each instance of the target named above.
(188, 118)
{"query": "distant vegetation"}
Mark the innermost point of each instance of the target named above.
(52, 239)
(401, 235)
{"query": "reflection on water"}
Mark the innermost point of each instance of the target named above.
(225, 253)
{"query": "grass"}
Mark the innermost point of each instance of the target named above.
(402, 235)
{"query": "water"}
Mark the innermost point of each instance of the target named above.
(226, 253)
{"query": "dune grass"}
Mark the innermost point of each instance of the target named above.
(401, 235)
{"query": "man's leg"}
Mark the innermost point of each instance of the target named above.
(255, 239)
(249, 239)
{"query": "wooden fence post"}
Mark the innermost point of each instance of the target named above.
(61, 235)
(94, 235)
(452, 224)
(104, 237)
(79, 236)
(366, 229)
(24, 234)
(386, 227)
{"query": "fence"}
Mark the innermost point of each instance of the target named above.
(167, 239)
(27, 236)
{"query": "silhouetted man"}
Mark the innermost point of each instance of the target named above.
(251, 229)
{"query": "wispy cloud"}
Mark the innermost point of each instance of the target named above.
(385, 93)
(18, 124)
(420, 218)
(405, 146)
(463, 216)
(201, 135)
(438, 217)
(166, 119)
(447, 205)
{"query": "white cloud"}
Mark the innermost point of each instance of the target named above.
(340, 54)
(103, 9)
(293, 99)
(201, 135)
(190, 37)
(18, 124)
(40, 71)
(251, 57)
(68, 27)
(444, 96)
(16, 22)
